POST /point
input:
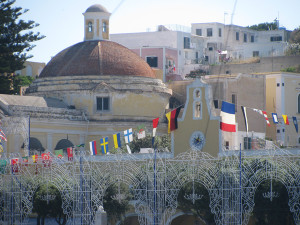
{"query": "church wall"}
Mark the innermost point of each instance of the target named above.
(270, 106)
(187, 125)
(144, 104)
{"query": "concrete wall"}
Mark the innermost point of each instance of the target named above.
(266, 64)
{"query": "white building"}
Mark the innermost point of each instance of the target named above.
(240, 43)
(190, 48)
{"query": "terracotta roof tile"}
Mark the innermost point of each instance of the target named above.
(97, 58)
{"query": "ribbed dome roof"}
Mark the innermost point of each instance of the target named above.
(96, 8)
(97, 58)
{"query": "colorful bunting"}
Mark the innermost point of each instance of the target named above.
(266, 117)
(227, 117)
(70, 153)
(295, 123)
(34, 158)
(245, 117)
(275, 118)
(286, 119)
(59, 153)
(14, 163)
(117, 140)
(172, 119)
(2, 135)
(155, 123)
(25, 159)
(264, 114)
(3, 163)
(104, 145)
(93, 148)
(128, 136)
(141, 131)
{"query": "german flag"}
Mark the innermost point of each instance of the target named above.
(172, 119)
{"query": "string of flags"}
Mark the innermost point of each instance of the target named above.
(128, 137)
(228, 117)
(2, 138)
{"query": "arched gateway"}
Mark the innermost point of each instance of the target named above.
(155, 181)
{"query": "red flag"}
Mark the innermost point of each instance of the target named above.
(14, 162)
(70, 153)
(46, 156)
(155, 123)
(46, 159)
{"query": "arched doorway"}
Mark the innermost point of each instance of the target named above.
(271, 204)
(116, 202)
(35, 146)
(193, 200)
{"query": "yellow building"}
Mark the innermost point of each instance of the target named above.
(32, 69)
(88, 91)
(283, 98)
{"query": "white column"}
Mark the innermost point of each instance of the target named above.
(49, 142)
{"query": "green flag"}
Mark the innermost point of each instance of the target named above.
(2, 166)
(59, 153)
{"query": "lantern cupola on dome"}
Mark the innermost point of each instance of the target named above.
(96, 23)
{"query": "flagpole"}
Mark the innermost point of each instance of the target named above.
(29, 135)
(154, 200)
(241, 218)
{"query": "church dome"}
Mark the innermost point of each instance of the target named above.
(97, 58)
(96, 8)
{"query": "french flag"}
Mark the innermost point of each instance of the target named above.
(227, 117)
(93, 148)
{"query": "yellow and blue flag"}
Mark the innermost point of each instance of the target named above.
(104, 145)
(117, 140)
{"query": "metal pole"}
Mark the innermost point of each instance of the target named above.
(28, 135)
(154, 202)
(241, 184)
(80, 191)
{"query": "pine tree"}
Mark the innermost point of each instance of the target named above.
(16, 37)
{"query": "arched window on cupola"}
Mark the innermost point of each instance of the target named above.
(90, 27)
(104, 27)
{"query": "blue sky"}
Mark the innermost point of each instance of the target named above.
(61, 21)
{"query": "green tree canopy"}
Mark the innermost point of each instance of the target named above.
(16, 37)
(201, 207)
(53, 208)
(295, 36)
(264, 26)
(116, 209)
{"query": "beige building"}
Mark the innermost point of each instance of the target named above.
(240, 89)
(283, 97)
(32, 69)
(88, 91)
(198, 124)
